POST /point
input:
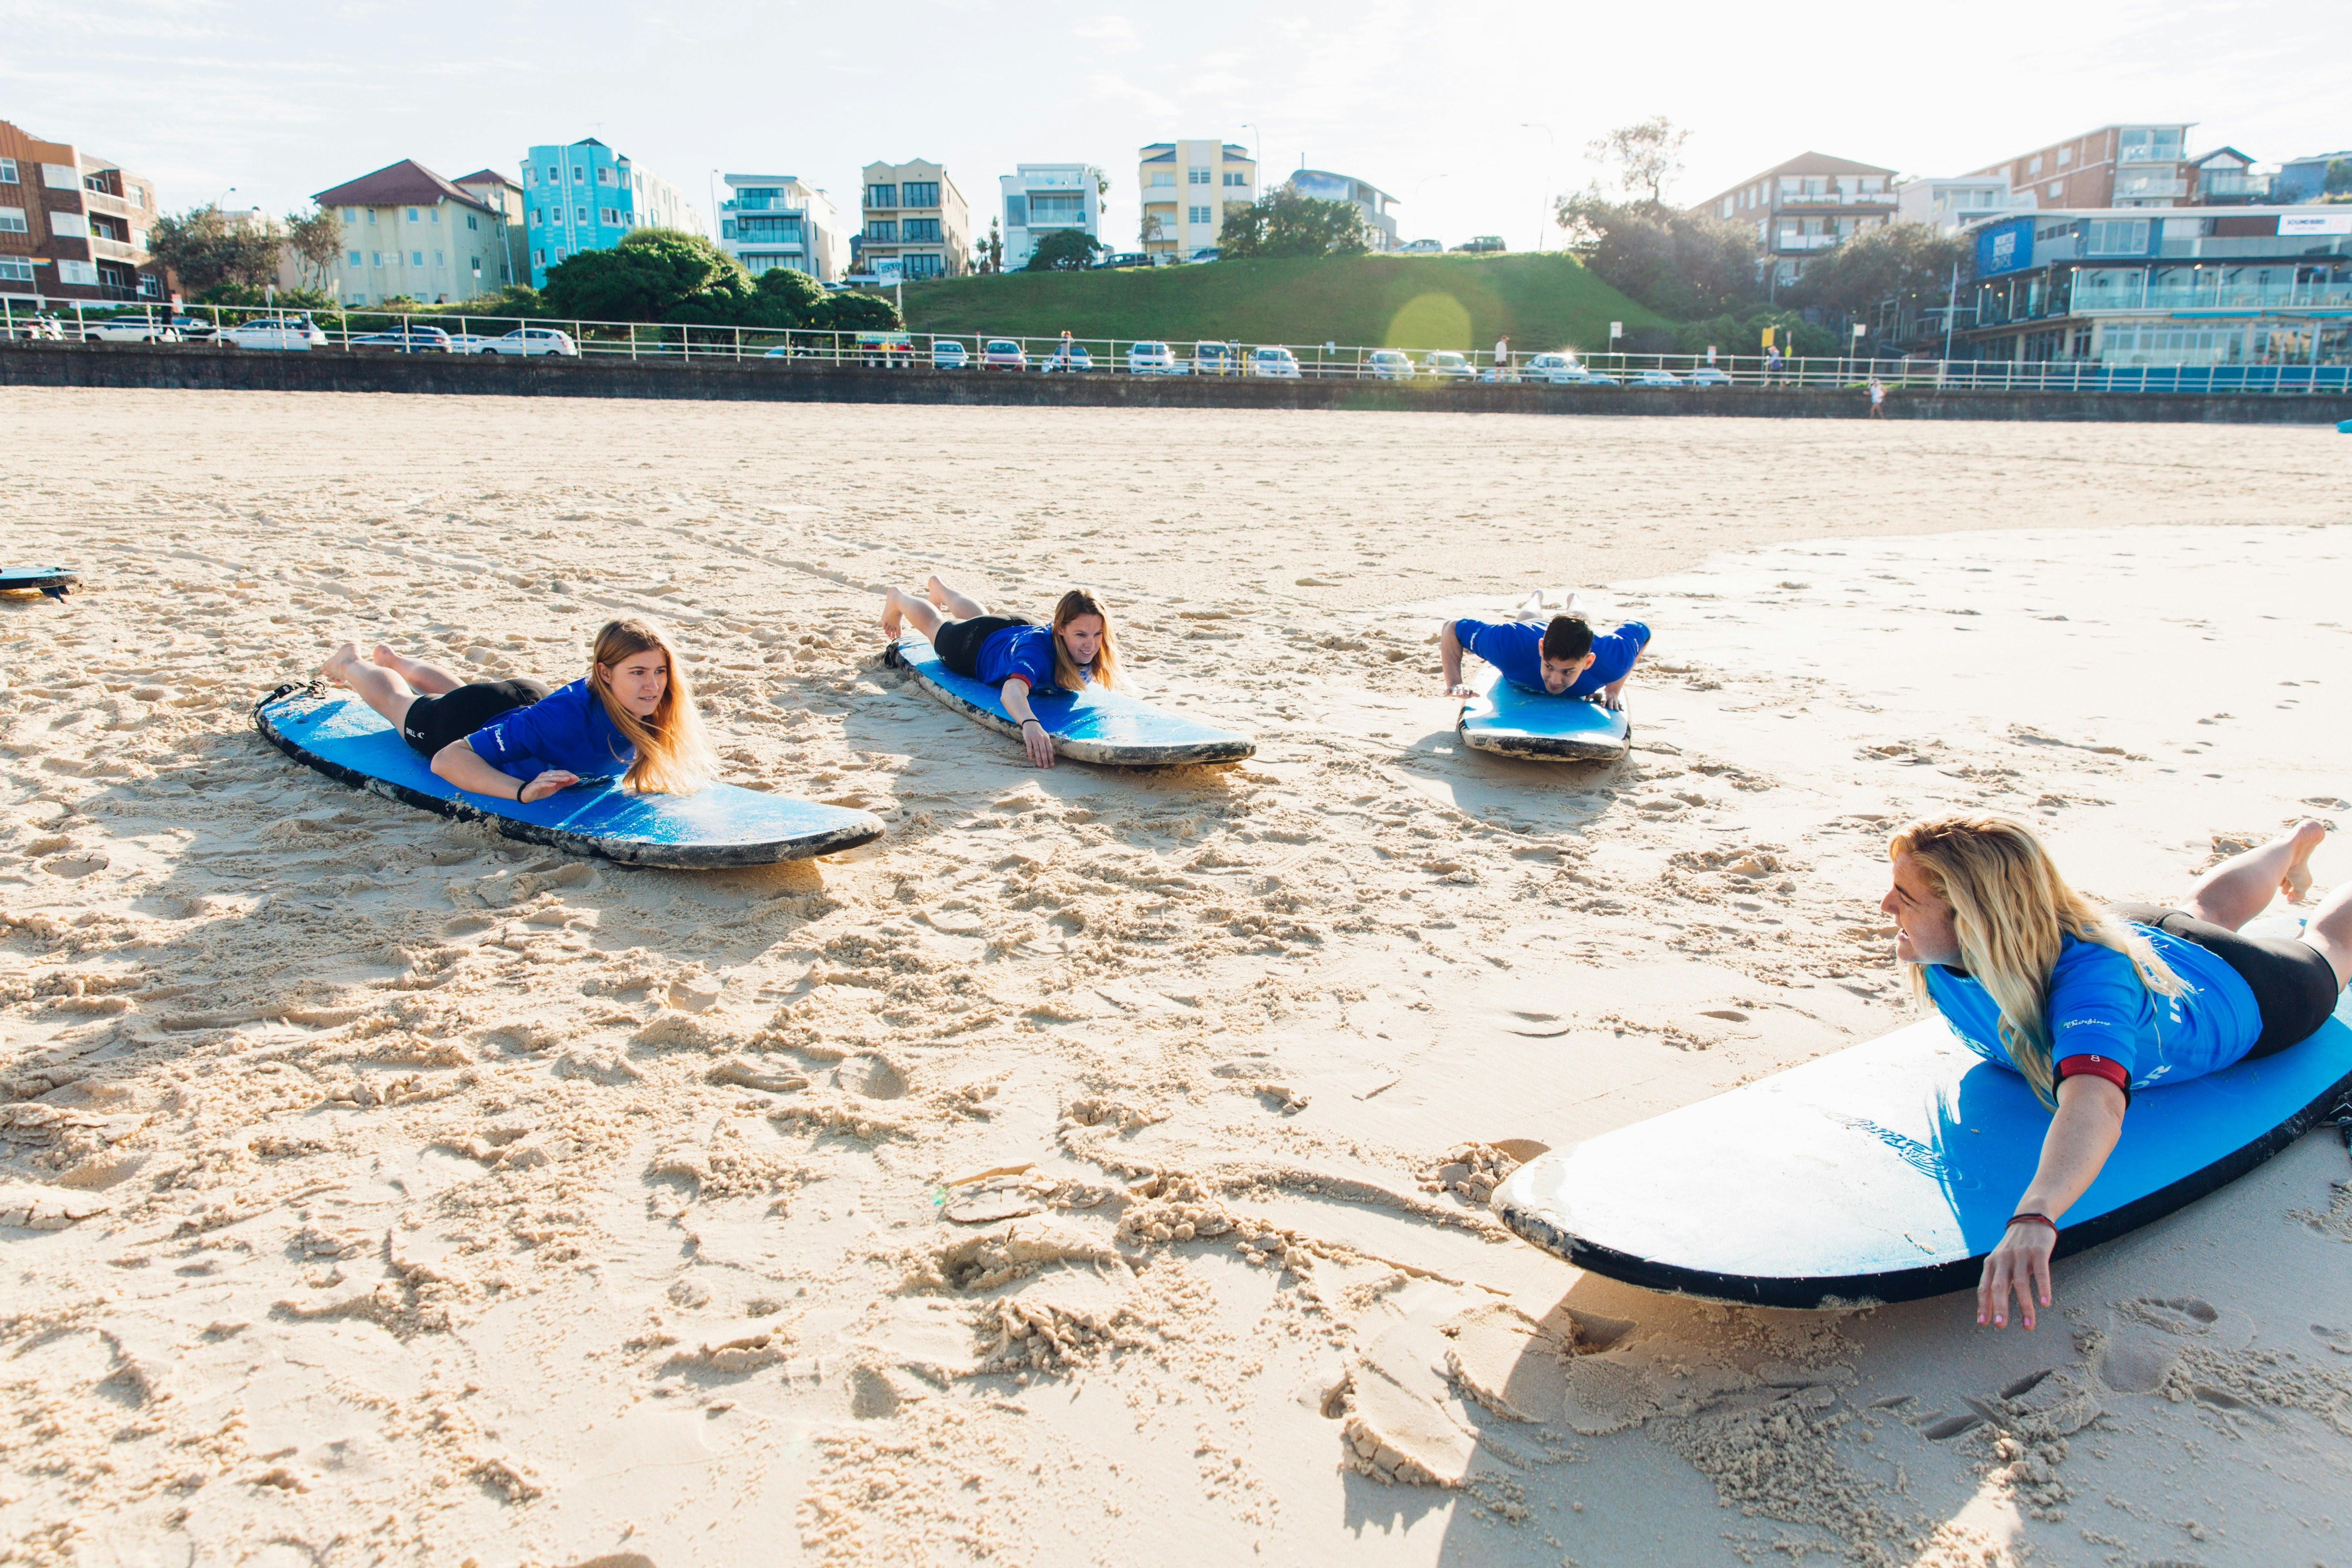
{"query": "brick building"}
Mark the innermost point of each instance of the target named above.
(1802, 207)
(73, 227)
(2113, 166)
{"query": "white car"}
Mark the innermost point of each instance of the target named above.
(1707, 375)
(1276, 364)
(1388, 364)
(1559, 369)
(1657, 378)
(1070, 357)
(1154, 359)
(273, 332)
(1446, 365)
(531, 340)
(948, 354)
(129, 330)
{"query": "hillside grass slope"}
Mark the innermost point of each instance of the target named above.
(1398, 302)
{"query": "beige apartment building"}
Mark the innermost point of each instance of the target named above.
(916, 223)
(1809, 204)
(1184, 187)
(410, 234)
(2114, 166)
(73, 226)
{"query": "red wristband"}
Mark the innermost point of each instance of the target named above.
(2032, 1219)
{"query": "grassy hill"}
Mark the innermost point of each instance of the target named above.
(1398, 302)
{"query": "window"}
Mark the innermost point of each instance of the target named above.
(926, 229)
(2057, 189)
(1196, 176)
(412, 215)
(378, 257)
(881, 195)
(919, 193)
(554, 178)
(2065, 156)
(2118, 236)
(80, 272)
(604, 176)
(1163, 177)
(470, 222)
(437, 261)
(435, 213)
(579, 216)
(931, 265)
(60, 176)
(579, 175)
(883, 229)
(1235, 177)
(370, 212)
(8, 172)
(11, 220)
(15, 269)
(1016, 212)
(610, 216)
(416, 258)
(355, 258)
(539, 258)
(1197, 214)
(559, 256)
(2033, 166)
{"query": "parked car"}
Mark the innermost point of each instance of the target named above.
(129, 330)
(1483, 244)
(1127, 258)
(1206, 253)
(1275, 363)
(1216, 359)
(1390, 364)
(41, 327)
(1070, 357)
(1657, 378)
(1003, 354)
(529, 341)
(1421, 247)
(196, 329)
(414, 338)
(280, 333)
(1446, 365)
(1600, 378)
(1707, 375)
(1558, 368)
(1154, 359)
(948, 354)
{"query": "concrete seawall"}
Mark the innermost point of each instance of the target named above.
(778, 380)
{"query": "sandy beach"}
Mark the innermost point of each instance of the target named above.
(1092, 1170)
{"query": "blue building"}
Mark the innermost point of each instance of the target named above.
(2303, 179)
(585, 196)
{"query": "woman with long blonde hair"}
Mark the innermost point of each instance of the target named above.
(1012, 652)
(631, 715)
(2091, 1004)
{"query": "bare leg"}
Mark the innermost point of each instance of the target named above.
(2330, 930)
(381, 689)
(899, 606)
(2241, 887)
(962, 606)
(429, 679)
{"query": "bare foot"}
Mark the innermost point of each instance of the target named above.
(2308, 835)
(349, 654)
(936, 592)
(891, 619)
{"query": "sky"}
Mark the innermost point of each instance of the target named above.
(1471, 114)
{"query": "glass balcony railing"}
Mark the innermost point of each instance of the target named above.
(1807, 241)
(2135, 295)
(2148, 152)
(2137, 187)
(1835, 198)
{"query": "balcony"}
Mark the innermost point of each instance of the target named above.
(778, 205)
(1834, 198)
(1807, 241)
(2143, 187)
(2134, 294)
(2148, 152)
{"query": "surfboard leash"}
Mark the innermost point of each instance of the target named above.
(314, 687)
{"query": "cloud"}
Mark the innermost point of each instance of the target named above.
(1110, 88)
(1115, 33)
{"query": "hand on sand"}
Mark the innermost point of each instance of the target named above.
(2020, 1265)
(1039, 744)
(1460, 689)
(1614, 700)
(547, 784)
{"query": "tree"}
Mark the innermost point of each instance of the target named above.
(1646, 157)
(991, 250)
(1877, 265)
(316, 238)
(1150, 230)
(2339, 182)
(1063, 250)
(1286, 222)
(783, 298)
(203, 249)
(850, 312)
(653, 275)
(1683, 264)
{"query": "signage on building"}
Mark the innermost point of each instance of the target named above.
(2005, 247)
(889, 269)
(2315, 222)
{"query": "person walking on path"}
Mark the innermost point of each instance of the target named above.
(1772, 365)
(1877, 399)
(1503, 358)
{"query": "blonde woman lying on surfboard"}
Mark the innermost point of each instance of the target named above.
(632, 714)
(2090, 1005)
(1013, 653)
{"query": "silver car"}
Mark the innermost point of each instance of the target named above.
(273, 333)
(129, 330)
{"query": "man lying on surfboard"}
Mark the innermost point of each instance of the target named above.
(2090, 1005)
(1012, 652)
(633, 714)
(1563, 656)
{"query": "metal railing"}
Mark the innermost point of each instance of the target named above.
(360, 330)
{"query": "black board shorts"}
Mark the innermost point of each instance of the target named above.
(2293, 985)
(432, 722)
(959, 642)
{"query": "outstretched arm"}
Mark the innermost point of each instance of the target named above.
(462, 766)
(1612, 695)
(1015, 697)
(1449, 656)
(2082, 1135)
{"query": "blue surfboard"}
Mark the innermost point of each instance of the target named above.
(1090, 726)
(717, 825)
(57, 582)
(1886, 1172)
(1512, 721)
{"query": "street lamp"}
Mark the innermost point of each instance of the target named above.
(1544, 221)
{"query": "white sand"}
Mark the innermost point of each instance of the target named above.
(383, 1191)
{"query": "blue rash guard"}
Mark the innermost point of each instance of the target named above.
(1516, 648)
(2099, 1008)
(567, 729)
(1025, 652)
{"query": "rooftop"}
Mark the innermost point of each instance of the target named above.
(406, 184)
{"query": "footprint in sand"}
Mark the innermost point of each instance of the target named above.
(2337, 1339)
(2173, 1314)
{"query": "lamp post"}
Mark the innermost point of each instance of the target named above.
(1543, 220)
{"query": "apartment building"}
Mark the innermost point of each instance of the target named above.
(1185, 188)
(916, 223)
(73, 227)
(769, 221)
(502, 195)
(2125, 286)
(1043, 198)
(409, 233)
(582, 195)
(2306, 179)
(2113, 166)
(1323, 184)
(2226, 178)
(1950, 205)
(1804, 208)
